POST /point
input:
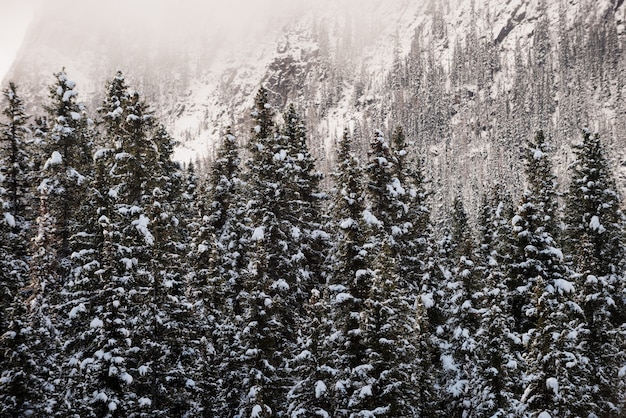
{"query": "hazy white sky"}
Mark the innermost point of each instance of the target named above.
(14, 18)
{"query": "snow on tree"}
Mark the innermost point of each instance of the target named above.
(15, 201)
(218, 259)
(534, 219)
(462, 298)
(594, 237)
(279, 235)
(68, 164)
(384, 384)
(495, 386)
(557, 365)
(350, 278)
(130, 352)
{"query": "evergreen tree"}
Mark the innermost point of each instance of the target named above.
(594, 236)
(495, 384)
(350, 280)
(220, 254)
(278, 254)
(130, 353)
(557, 366)
(538, 219)
(15, 202)
(21, 378)
(385, 382)
(463, 294)
(66, 172)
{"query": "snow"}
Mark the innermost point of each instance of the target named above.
(552, 383)
(141, 225)
(112, 406)
(365, 391)
(395, 188)
(68, 95)
(96, 323)
(281, 155)
(564, 286)
(54, 159)
(370, 219)
(347, 223)
(257, 411)
(427, 300)
(622, 372)
(258, 234)
(537, 155)
(595, 225)
(281, 285)
(556, 252)
(343, 297)
(447, 363)
(126, 378)
(144, 402)
(9, 219)
(320, 389)
(101, 396)
(76, 310)
(544, 414)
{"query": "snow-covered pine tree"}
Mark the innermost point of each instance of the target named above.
(384, 385)
(462, 297)
(15, 201)
(539, 218)
(382, 189)
(279, 235)
(495, 386)
(65, 174)
(15, 167)
(130, 353)
(309, 395)
(305, 198)
(96, 318)
(218, 258)
(350, 280)
(173, 351)
(557, 370)
(411, 231)
(146, 185)
(21, 377)
(594, 238)
(63, 222)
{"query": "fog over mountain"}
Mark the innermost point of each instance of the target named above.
(350, 63)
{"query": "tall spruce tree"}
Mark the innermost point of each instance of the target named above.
(386, 383)
(557, 368)
(495, 386)
(350, 279)
(21, 378)
(594, 238)
(539, 219)
(218, 260)
(15, 201)
(279, 270)
(130, 353)
(463, 295)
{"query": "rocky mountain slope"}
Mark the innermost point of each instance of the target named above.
(468, 79)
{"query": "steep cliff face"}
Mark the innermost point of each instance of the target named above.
(468, 79)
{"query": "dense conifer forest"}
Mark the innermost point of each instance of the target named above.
(133, 287)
